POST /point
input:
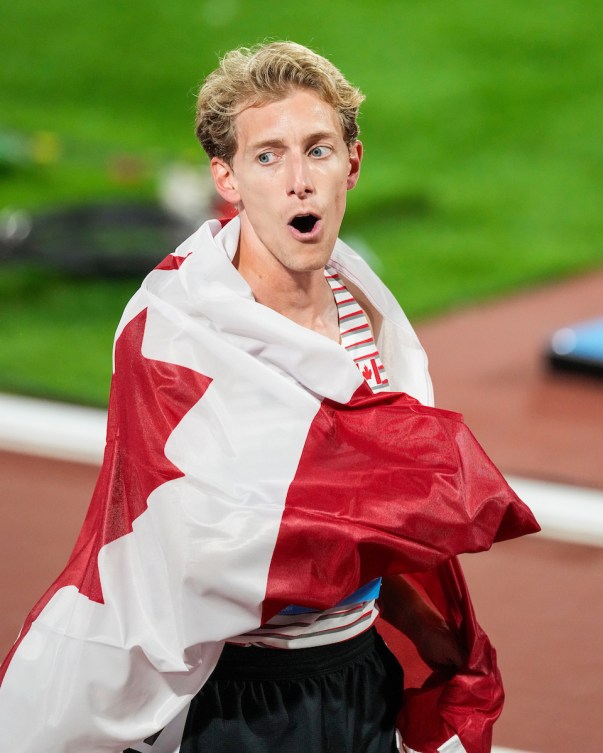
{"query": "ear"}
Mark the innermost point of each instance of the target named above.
(355, 158)
(224, 180)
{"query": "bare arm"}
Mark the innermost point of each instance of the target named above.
(404, 608)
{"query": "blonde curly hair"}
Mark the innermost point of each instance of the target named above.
(250, 77)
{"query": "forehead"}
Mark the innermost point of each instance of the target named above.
(290, 119)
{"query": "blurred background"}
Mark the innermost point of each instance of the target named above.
(483, 153)
(479, 205)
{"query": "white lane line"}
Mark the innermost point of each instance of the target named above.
(568, 513)
(70, 432)
(55, 430)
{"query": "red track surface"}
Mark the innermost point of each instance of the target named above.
(541, 602)
(486, 362)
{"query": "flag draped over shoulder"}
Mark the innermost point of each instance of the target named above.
(248, 467)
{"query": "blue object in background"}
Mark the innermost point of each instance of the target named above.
(578, 347)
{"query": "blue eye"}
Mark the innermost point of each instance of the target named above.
(265, 158)
(320, 151)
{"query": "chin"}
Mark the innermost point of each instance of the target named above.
(308, 258)
(308, 265)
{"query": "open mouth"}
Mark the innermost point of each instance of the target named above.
(304, 223)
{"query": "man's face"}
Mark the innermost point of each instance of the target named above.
(289, 178)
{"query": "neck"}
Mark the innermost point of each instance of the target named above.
(305, 297)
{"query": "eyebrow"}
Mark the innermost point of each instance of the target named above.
(265, 144)
(277, 142)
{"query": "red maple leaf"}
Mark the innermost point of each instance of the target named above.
(366, 372)
(148, 400)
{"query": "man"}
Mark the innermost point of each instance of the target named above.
(290, 157)
(260, 479)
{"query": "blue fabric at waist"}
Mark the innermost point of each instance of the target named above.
(368, 592)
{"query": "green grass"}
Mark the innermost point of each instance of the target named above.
(482, 129)
(57, 334)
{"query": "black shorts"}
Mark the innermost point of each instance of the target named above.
(342, 698)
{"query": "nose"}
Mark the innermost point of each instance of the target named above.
(299, 178)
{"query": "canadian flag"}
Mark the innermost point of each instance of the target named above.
(249, 467)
